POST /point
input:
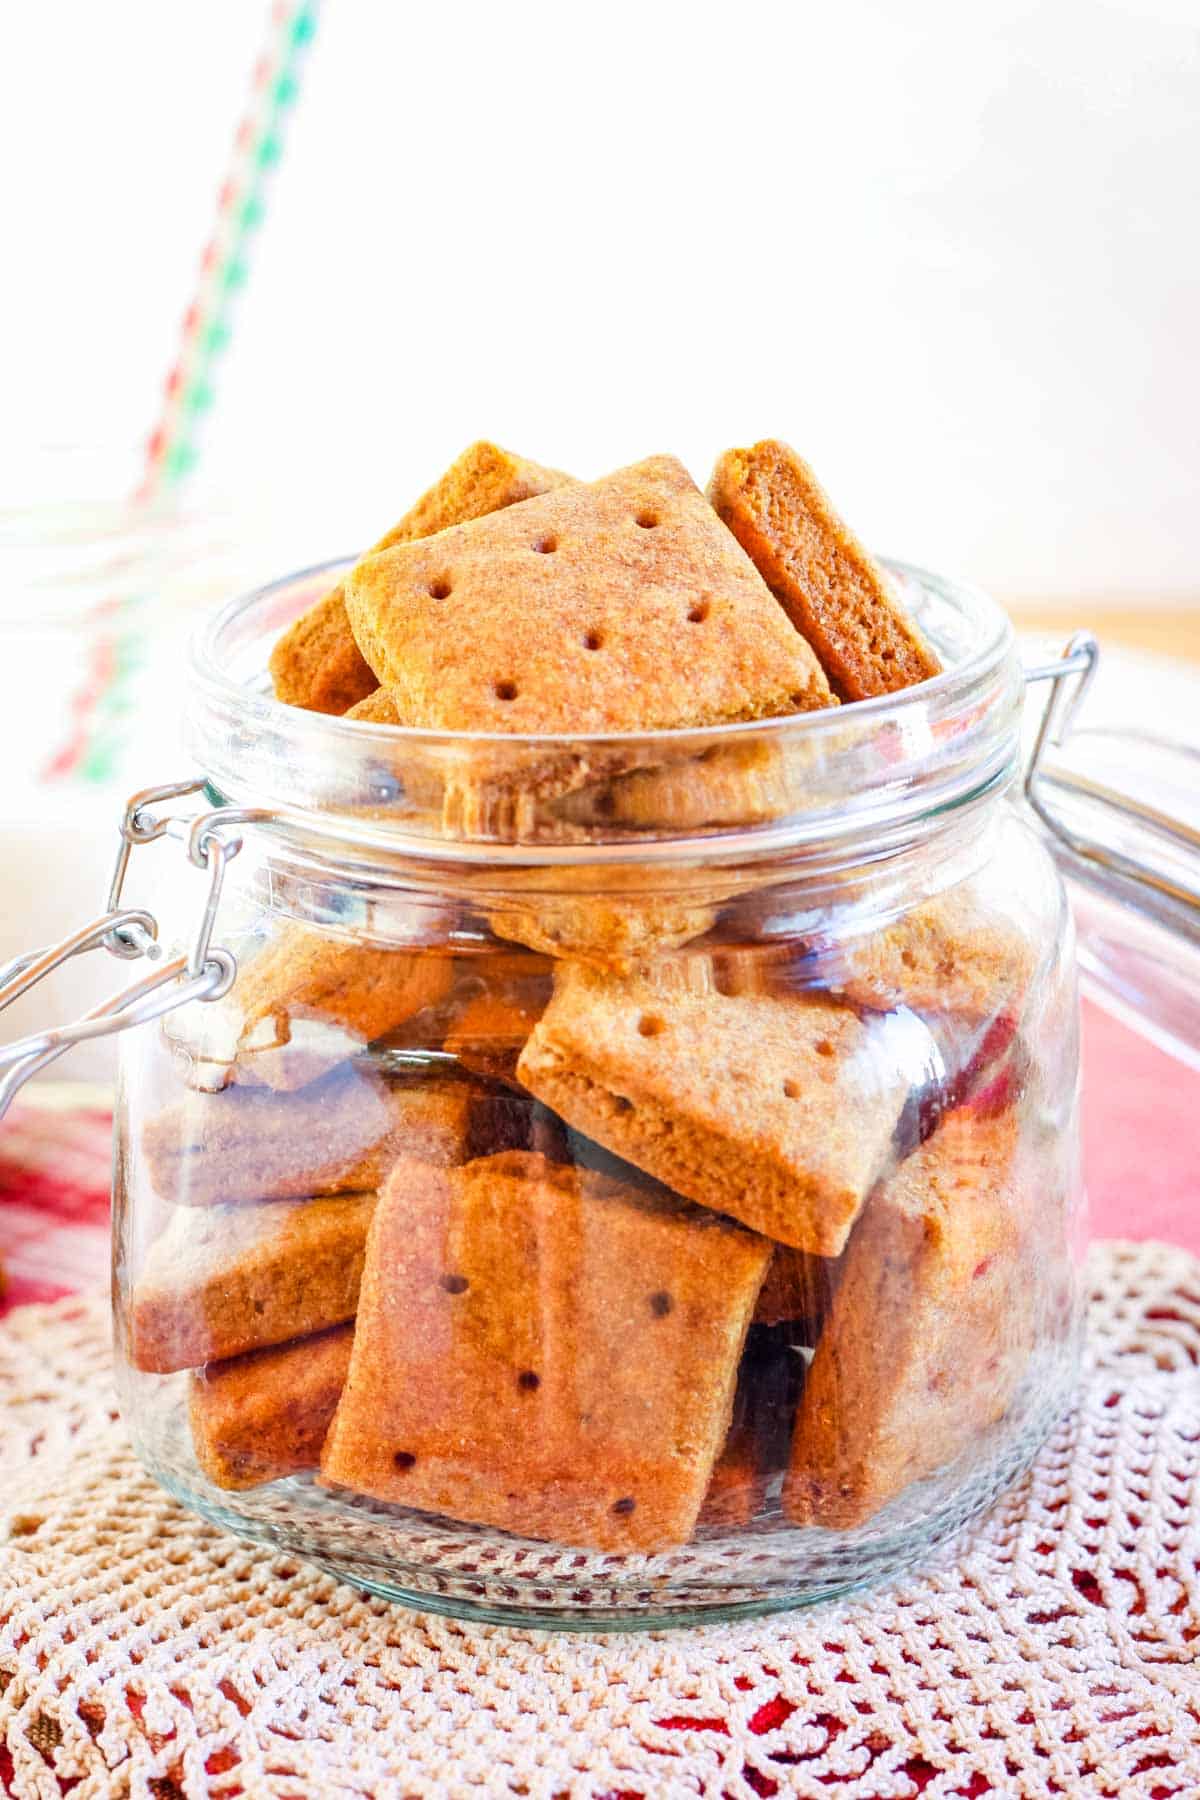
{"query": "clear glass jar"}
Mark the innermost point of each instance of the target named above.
(629, 1180)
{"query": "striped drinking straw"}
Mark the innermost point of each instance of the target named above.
(101, 705)
(171, 449)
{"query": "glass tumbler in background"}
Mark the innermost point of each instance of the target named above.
(98, 597)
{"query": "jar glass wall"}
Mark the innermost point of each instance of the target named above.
(629, 1179)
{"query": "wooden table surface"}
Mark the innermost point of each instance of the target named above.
(1166, 630)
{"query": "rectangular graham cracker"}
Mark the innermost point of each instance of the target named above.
(830, 589)
(316, 664)
(953, 954)
(929, 1331)
(261, 1416)
(604, 930)
(341, 1135)
(225, 1279)
(776, 1110)
(736, 784)
(615, 606)
(549, 1350)
(310, 999)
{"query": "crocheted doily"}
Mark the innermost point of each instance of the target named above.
(1055, 1649)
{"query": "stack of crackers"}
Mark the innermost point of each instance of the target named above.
(660, 1234)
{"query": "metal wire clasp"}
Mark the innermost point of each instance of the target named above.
(1081, 658)
(204, 973)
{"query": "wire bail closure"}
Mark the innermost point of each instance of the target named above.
(206, 972)
(1081, 658)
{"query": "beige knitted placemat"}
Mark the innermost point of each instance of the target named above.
(1054, 1650)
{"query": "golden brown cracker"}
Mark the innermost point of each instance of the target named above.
(952, 954)
(377, 709)
(310, 998)
(777, 1111)
(831, 590)
(316, 663)
(262, 1416)
(742, 783)
(603, 930)
(340, 1135)
(222, 1280)
(548, 1350)
(563, 616)
(929, 1331)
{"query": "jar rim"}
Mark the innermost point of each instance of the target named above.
(323, 769)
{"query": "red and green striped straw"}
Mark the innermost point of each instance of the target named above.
(100, 708)
(172, 448)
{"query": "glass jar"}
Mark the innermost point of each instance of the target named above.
(628, 1180)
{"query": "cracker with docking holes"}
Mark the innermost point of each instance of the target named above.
(776, 1110)
(316, 664)
(310, 999)
(564, 616)
(549, 1350)
(222, 1280)
(261, 1416)
(929, 1332)
(341, 1135)
(831, 590)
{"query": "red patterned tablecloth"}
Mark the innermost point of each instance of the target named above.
(1141, 1123)
(55, 1171)
(1059, 1646)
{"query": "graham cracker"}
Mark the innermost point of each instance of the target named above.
(929, 1331)
(832, 591)
(776, 1110)
(549, 1350)
(377, 709)
(743, 783)
(262, 1416)
(338, 1136)
(564, 616)
(310, 999)
(316, 663)
(953, 954)
(738, 1484)
(602, 930)
(221, 1280)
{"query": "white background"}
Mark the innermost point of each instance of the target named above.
(950, 250)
